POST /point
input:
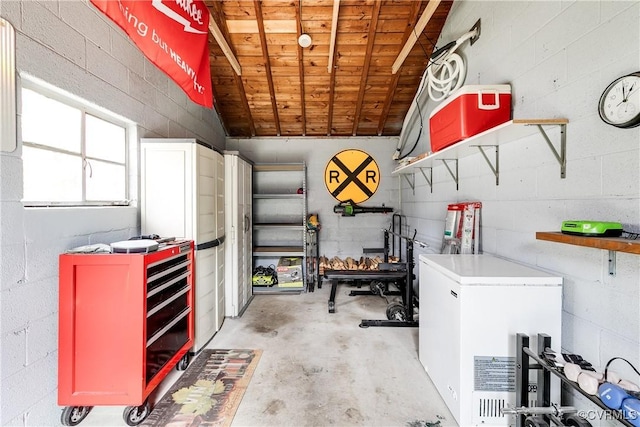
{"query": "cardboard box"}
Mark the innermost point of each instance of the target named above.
(470, 110)
(289, 271)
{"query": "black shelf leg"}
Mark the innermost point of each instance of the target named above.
(522, 376)
(332, 297)
(544, 376)
(408, 297)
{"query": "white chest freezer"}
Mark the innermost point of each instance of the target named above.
(471, 308)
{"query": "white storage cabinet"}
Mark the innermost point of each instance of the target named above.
(471, 308)
(238, 181)
(182, 196)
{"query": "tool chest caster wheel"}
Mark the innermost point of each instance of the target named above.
(73, 415)
(134, 415)
(183, 363)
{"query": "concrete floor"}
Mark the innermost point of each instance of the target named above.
(322, 369)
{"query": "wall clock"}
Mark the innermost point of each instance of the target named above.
(620, 102)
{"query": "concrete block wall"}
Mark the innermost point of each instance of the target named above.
(71, 47)
(339, 236)
(558, 57)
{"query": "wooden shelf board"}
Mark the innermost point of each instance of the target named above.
(272, 290)
(278, 167)
(278, 251)
(504, 133)
(278, 196)
(279, 225)
(618, 244)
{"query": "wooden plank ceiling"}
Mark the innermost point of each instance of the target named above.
(286, 90)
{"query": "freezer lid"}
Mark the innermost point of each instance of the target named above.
(487, 269)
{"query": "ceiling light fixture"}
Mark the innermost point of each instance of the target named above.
(304, 40)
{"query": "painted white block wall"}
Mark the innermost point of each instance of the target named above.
(339, 236)
(70, 45)
(558, 56)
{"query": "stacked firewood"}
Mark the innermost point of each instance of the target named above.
(364, 263)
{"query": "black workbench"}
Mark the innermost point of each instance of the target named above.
(400, 273)
(359, 276)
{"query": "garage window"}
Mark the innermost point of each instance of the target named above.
(72, 155)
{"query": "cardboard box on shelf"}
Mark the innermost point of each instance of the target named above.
(289, 271)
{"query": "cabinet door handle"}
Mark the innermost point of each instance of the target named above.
(247, 223)
(455, 295)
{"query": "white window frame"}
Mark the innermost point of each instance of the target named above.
(85, 109)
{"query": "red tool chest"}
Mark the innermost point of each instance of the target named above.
(470, 110)
(125, 320)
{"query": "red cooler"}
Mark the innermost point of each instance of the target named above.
(468, 111)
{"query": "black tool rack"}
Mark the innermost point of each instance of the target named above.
(523, 366)
(401, 274)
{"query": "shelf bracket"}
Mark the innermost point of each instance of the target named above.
(412, 184)
(562, 156)
(612, 263)
(429, 178)
(494, 168)
(453, 175)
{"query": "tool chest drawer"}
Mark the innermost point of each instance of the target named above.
(165, 313)
(160, 351)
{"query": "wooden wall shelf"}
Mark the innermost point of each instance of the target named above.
(618, 244)
(611, 244)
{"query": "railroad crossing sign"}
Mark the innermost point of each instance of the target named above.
(352, 175)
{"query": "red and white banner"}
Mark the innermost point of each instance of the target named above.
(173, 35)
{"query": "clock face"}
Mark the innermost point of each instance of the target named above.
(620, 102)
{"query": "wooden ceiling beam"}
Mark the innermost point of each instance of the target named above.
(217, 7)
(222, 42)
(245, 104)
(373, 25)
(303, 112)
(332, 85)
(413, 37)
(334, 33)
(415, 10)
(267, 64)
(214, 92)
(333, 53)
